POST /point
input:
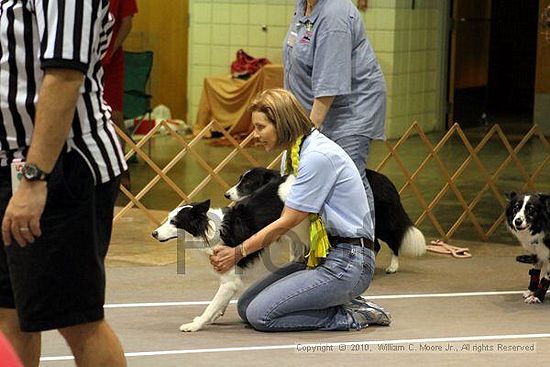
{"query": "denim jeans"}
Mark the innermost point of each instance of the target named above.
(293, 299)
(357, 148)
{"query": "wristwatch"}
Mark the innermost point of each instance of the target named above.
(32, 173)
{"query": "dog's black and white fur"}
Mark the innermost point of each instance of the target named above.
(528, 218)
(393, 225)
(232, 225)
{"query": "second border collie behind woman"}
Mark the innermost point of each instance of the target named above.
(328, 186)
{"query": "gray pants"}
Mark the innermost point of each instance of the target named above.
(357, 148)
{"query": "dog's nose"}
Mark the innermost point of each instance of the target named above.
(518, 222)
(155, 234)
(226, 195)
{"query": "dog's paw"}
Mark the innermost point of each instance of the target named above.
(527, 294)
(394, 265)
(532, 300)
(192, 326)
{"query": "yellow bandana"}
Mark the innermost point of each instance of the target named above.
(319, 244)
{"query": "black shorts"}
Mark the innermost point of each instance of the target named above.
(59, 280)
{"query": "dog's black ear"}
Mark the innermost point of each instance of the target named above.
(202, 206)
(510, 195)
(269, 175)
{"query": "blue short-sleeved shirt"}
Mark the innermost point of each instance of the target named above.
(329, 184)
(328, 54)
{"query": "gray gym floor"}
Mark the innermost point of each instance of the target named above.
(468, 307)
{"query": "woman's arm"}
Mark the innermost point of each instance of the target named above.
(225, 257)
(319, 110)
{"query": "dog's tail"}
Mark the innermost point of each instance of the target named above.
(413, 243)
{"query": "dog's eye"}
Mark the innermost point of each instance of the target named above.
(173, 222)
(517, 206)
(529, 209)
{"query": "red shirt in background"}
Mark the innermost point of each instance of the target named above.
(113, 62)
(120, 9)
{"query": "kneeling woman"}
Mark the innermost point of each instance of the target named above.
(328, 191)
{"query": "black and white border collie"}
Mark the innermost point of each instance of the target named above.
(232, 225)
(528, 218)
(393, 225)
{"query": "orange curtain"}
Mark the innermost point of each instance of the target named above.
(226, 99)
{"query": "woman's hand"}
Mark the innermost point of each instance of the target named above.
(224, 258)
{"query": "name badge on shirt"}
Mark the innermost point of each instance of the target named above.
(292, 36)
(16, 174)
(307, 38)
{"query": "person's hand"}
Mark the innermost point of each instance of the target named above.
(22, 218)
(223, 258)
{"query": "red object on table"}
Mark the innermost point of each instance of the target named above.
(143, 126)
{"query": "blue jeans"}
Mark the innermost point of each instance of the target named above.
(357, 147)
(293, 299)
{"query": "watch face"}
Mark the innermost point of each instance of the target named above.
(30, 172)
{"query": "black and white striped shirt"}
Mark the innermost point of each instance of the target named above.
(71, 34)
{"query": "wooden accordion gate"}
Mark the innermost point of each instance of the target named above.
(445, 181)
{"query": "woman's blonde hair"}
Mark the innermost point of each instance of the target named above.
(284, 111)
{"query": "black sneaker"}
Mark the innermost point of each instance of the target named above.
(365, 313)
(357, 320)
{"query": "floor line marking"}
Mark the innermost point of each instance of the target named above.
(389, 296)
(295, 346)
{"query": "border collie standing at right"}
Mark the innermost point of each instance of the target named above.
(528, 218)
(393, 225)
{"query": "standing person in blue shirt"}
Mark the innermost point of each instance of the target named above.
(331, 68)
(328, 191)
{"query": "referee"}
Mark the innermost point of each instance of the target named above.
(56, 225)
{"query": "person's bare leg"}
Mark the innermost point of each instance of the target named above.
(94, 344)
(26, 345)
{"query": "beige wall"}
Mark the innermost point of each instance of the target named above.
(219, 28)
(406, 41)
(409, 46)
